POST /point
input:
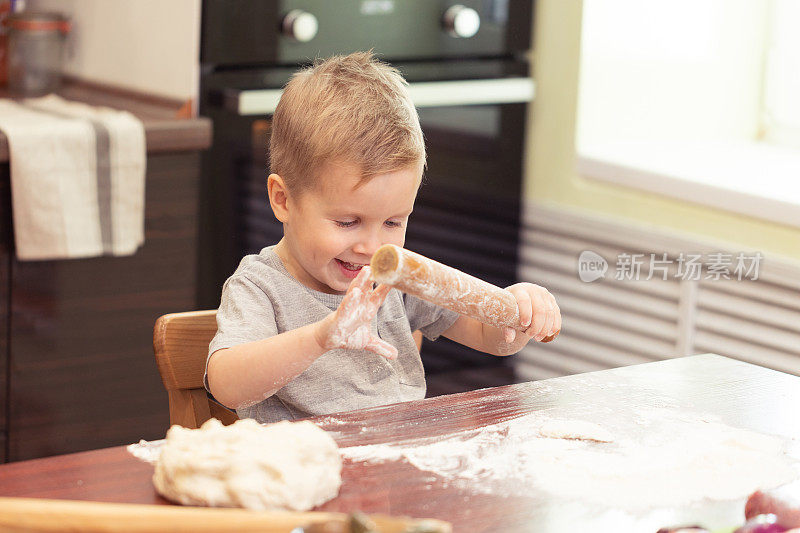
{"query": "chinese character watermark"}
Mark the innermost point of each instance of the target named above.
(686, 266)
(628, 266)
(659, 265)
(752, 270)
(690, 266)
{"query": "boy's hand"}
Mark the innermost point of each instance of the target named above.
(349, 325)
(539, 313)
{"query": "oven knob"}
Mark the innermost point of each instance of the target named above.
(300, 25)
(461, 21)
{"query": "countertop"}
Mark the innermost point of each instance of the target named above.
(167, 129)
(738, 394)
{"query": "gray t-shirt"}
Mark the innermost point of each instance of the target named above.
(262, 299)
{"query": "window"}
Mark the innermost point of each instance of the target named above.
(781, 113)
(695, 99)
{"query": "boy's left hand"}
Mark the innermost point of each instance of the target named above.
(539, 313)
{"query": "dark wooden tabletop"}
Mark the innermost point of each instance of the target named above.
(740, 394)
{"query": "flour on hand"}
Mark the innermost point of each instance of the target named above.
(288, 465)
(353, 318)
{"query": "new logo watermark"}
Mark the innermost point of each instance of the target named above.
(685, 266)
(591, 266)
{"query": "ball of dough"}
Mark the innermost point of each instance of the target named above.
(288, 465)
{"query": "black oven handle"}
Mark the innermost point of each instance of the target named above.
(423, 94)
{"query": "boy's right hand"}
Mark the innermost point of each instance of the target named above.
(349, 326)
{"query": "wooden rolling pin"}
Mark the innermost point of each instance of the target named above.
(59, 516)
(447, 287)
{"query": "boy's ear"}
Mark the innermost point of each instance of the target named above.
(278, 197)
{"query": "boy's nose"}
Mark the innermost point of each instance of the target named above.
(367, 244)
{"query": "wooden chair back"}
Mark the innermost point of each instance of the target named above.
(180, 343)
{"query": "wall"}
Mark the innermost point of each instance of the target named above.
(144, 45)
(550, 159)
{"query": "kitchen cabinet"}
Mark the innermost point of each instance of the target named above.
(77, 370)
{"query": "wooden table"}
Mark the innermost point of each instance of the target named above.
(742, 395)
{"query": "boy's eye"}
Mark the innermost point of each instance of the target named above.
(393, 224)
(345, 223)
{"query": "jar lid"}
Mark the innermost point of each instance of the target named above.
(31, 21)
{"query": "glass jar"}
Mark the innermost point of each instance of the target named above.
(35, 52)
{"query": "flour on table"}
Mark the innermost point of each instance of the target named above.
(288, 465)
(667, 458)
(575, 429)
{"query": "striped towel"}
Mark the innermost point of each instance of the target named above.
(77, 178)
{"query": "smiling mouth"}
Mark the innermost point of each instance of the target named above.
(351, 266)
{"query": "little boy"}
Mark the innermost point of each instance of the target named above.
(301, 330)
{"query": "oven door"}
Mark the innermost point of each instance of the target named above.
(467, 214)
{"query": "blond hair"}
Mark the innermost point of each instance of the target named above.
(353, 109)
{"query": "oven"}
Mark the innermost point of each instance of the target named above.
(469, 78)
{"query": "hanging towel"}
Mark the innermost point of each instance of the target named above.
(77, 178)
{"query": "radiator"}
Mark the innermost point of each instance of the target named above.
(610, 323)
